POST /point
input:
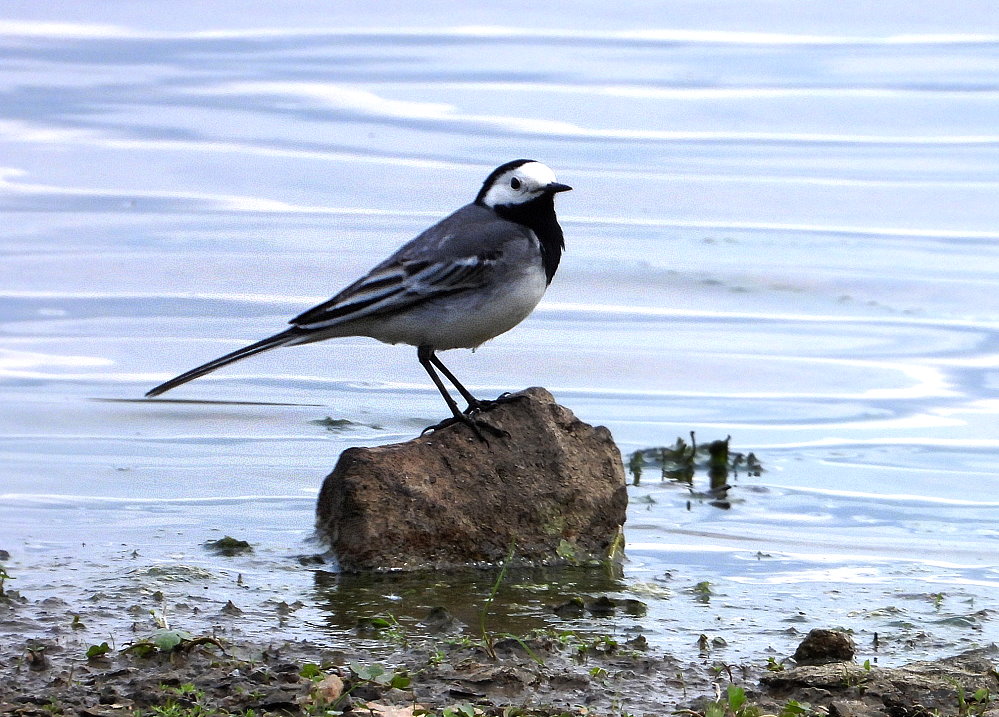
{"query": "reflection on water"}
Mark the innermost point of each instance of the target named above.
(523, 601)
(783, 231)
(682, 461)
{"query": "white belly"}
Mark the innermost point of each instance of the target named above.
(465, 320)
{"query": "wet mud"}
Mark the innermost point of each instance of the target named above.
(49, 667)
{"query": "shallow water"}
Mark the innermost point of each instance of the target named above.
(784, 229)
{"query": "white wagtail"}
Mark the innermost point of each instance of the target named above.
(468, 278)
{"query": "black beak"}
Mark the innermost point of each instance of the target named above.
(556, 187)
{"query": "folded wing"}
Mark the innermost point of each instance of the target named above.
(398, 286)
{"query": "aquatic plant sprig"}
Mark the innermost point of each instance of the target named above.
(488, 638)
(680, 462)
(4, 576)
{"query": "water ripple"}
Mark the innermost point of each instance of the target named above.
(669, 36)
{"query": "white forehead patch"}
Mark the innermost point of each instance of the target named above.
(540, 175)
(520, 184)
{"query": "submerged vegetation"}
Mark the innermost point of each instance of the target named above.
(339, 425)
(4, 577)
(682, 461)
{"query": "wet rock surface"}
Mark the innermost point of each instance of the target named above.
(540, 480)
(821, 647)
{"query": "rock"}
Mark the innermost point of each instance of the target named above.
(639, 642)
(820, 647)
(440, 620)
(570, 609)
(228, 547)
(852, 708)
(551, 485)
(918, 688)
(603, 606)
(328, 689)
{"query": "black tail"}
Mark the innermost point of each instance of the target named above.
(269, 343)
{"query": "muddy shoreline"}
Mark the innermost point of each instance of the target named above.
(168, 671)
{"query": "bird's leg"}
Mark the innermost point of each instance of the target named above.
(428, 361)
(473, 403)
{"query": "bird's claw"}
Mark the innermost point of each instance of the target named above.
(480, 406)
(477, 426)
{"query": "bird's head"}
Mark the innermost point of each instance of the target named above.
(519, 182)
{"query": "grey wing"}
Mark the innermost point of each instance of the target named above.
(456, 255)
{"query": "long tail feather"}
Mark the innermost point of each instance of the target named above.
(269, 343)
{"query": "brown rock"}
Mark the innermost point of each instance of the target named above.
(821, 647)
(853, 708)
(918, 688)
(450, 499)
(327, 690)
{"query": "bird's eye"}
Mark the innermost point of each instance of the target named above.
(515, 183)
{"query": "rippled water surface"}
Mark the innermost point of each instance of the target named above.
(784, 229)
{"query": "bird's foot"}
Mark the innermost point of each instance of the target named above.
(476, 424)
(480, 406)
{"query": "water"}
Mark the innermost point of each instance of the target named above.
(784, 229)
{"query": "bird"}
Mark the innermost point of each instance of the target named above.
(470, 277)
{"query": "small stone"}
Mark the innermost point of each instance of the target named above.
(571, 609)
(820, 647)
(108, 696)
(638, 643)
(328, 689)
(440, 620)
(37, 660)
(852, 708)
(633, 607)
(228, 547)
(603, 606)
(307, 560)
(284, 609)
